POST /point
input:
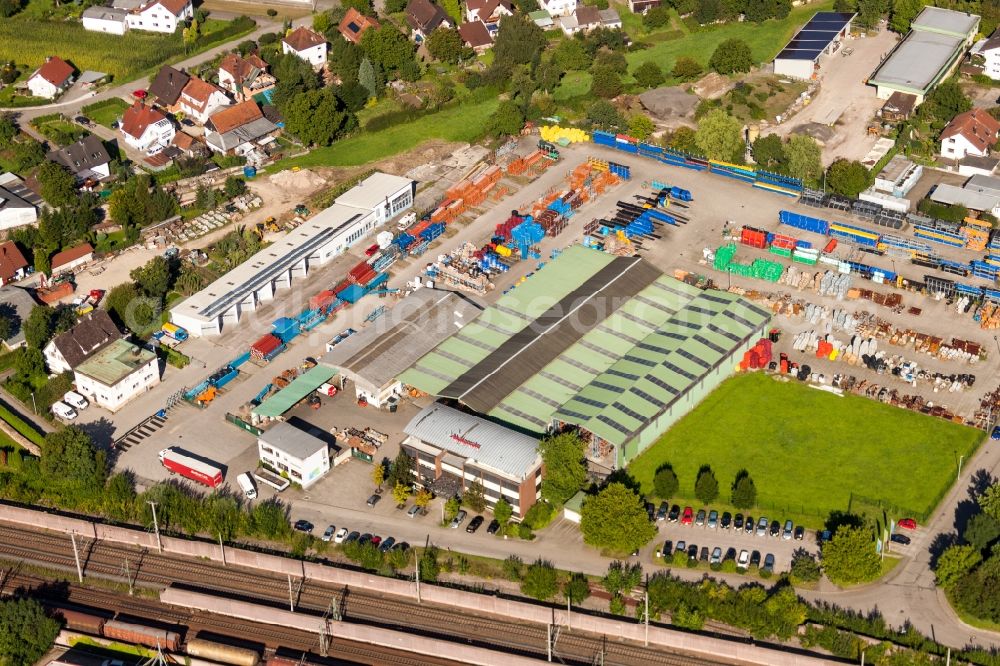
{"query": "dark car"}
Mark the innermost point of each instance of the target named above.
(800, 533)
(83, 120)
(748, 525)
(692, 552)
(727, 519)
(493, 527)
(730, 554)
(768, 563)
(738, 522)
(364, 538)
(387, 544)
(675, 513)
(995, 435)
(187, 122)
(825, 535)
(666, 549)
(775, 528)
(651, 511)
(900, 539)
(661, 513)
(303, 526)
(353, 536)
(703, 556)
(402, 545)
(474, 524)
(373, 500)
(755, 558)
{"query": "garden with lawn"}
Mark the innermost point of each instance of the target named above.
(106, 111)
(808, 451)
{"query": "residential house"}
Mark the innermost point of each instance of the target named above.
(146, 129)
(104, 19)
(476, 36)
(245, 77)
(67, 260)
(582, 19)
(13, 265)
(971, 133)
(425, 17)
(991, 54)
(160, 15)
(979, 193)
(167, 86)
(237, 129)
(16, 304)
(610, 19)
(116, 374)
(558, 7)
(354, 24)
(188, 146)
(92, 333)
(488, 11)
(51, 79)
(898, 107)
(286, 449)
(306, 44)
(15, 209)
(200, 99)
(86, 159)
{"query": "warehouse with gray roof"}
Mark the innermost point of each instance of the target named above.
(608, 345)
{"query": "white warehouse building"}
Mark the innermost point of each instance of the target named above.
(355, 215)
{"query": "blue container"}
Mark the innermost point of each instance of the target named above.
(249, 172)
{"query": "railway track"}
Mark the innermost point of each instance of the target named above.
(148, 569)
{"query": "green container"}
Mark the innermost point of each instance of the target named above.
(781, 251)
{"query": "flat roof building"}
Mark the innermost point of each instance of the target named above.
(608, 344)
(291, 451)
(928, 54)
(117, 374)
(822, 34)
(319, 240)
(453, 449)
(375, 357)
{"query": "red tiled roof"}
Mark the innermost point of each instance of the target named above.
(55, 71)
(11, 260)
(199, 90)
(72, 254)
(475, 34)
(241, 68)
(303, 38)
(175, 7)
(978, 127)
(138, 117)
(235, 116)
(354, 25)
(183, 141)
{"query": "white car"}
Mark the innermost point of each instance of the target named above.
(744, 561)
(340, 535)
(75, 400)
(63, 411)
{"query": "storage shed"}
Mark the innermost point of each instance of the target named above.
(822, 34)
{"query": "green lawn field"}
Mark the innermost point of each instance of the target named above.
(808, 450)
(106, 111)
(462, 123)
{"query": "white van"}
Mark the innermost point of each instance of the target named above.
(63, 411)
(247, 485)
(75, 400)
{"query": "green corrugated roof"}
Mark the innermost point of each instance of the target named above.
(301, 386)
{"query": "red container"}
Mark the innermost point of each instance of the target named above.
(753, 237)
(264, 346)
(344, 284)
(322, 299)
(831, 246)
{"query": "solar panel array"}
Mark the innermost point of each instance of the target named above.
(815, 36)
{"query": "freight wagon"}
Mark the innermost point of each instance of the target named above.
(142, 635)
(80, 621)
(224, 654)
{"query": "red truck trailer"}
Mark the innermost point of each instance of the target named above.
(191, 468)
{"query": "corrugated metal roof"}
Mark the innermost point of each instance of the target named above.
(300, 387)
(473, 438)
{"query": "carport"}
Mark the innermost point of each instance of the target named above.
(820, 35)
(291, 395)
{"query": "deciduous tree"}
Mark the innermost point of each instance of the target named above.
(720, 136)
(446, 45)
(603, 115)
(507, 120)
(387, 47)
(903, 13)
(615, 519)
(769, 153)
(605, 83)
(665, 482)
(621, 577)
(540, 580)
(954, 563)
(731, 56)
(572, 55)
(648, 75)
(423, 499)
(26, 631)
(982, 531)
(8, 129)
(804, 566)
(850, 557)
(70, 457)
(519, 41)
(989, 501)
(317, 117)
(503, 511)
(400, 493)
(57, 184)
(576, 588)
(155, 278)
(848, 177)
(38, 327)
(804, 158)
(640, 126)
(687, 69)
(656, 17)
(475, 497)
(565, 466)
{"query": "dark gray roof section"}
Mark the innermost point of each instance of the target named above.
(16, 304)
(167, 85)
(87, 153)
(94, 332)
(536, 345)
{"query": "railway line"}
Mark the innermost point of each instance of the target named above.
(149, 569)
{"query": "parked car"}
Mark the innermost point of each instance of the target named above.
(692, 552)
(63, 411)
(75, 400)
(713, 519)
(995, 435)
(755, 558)
(340, 535)
(661, 513)
(825, 535)
(365, 538)
(738, 522)
(730, 554)
(376, 539)
(787, 533)
(762, 526)
(700, 518)
(743, 561)
(493, 527)
(768, 563)
(412, 511)
(328, 533)
(748, 525)
(907, 523)
(651, 511)
(775, 528)
(716, 556)
(688, 517)
(800, 533)
(353, 536)
(474, 524)
(303, 526)
(703, 556)
(727, 520)
(83, 120)
(373, 500)
(900, 539)
(666, 548)
(681, 547)
(387, 544)
(675, 512)
(459, 519)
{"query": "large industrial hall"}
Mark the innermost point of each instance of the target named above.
(608, 344)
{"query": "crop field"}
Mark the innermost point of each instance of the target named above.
(808, 451)
(28, 40)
